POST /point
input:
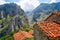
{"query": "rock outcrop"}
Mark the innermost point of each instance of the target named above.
(12, 18)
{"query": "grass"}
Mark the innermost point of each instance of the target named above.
(26, 28)
(9, 36)
(29, 39)
(7, 21)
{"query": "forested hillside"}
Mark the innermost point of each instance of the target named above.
(12, 18)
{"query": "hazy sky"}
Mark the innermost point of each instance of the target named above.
(28, 5)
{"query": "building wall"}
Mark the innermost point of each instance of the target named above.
(39, 34)
(57, 38)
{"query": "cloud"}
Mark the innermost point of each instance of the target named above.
(28, 5)
(53, 1)
(3, 2)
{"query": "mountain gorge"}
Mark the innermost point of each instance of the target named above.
(13, 18)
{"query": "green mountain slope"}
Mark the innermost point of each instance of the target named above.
(45, 9)
(12, 18)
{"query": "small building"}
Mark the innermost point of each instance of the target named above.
(49, 29)
(46, 31)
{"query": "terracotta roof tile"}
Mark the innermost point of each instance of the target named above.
(23, 35)
(56, 13)
(50, 28)
(31, 32)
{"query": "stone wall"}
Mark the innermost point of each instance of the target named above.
(39, 34)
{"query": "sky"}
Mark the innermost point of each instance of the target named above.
(28, 5)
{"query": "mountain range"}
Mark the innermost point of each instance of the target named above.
(43, 10)
(12, 18)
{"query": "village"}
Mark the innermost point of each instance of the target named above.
(49, 29)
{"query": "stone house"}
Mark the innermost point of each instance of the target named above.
(49, 29)
(46, 31)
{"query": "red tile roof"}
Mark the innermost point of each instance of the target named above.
(31, 32)
(50, 28)
(23, 35)
(56, 13)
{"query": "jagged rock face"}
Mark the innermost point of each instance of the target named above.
(11, 9)
(16, 22)
(14, 25)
